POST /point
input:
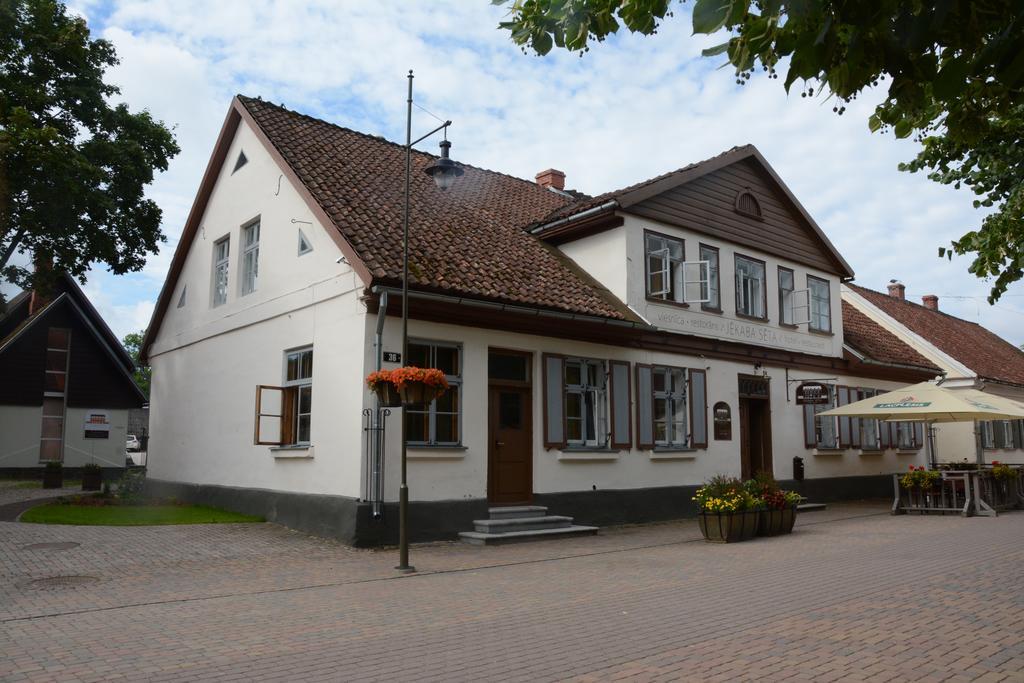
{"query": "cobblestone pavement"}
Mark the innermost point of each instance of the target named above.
(852, 595)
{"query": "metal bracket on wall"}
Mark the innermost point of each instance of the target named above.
(806, 379)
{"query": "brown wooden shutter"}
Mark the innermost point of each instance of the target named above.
(619, 391)
(999, 433)
(644, 407)
(269, 427)
(918, 434)
(810, 438)
(855, 395)
(554, 401)
(844, 422)
(894, 437)
(1018, 434)
(883, 435)
(698, 395)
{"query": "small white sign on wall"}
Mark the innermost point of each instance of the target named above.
(97, 424)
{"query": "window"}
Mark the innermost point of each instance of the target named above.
(988, 435)
(750, 288)
(221, 253)
(250, 257)
(821, 305)
(747, 204)
(711, 292)
(869, 435)
(670, 417)
(586, 410)
(1008, 433)
(436, 423)
(181, 298)
(905, 435)
(664, 267)
(786, 287)
(822, 432)
(304, 244)
(58, 352)
(299, 379)
(240, 162)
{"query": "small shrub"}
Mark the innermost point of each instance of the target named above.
(54, 466)
(130, 487)
(1002, 471)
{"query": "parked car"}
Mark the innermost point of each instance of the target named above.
(133, 443)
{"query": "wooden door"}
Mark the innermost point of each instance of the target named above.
(510, 454)
(745, 464)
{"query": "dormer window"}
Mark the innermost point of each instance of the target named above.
(747, 204)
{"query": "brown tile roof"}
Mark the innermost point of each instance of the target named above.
(987, 354)
(872, 340)
(467, 240)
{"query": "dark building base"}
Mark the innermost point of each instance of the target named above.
(351, 521)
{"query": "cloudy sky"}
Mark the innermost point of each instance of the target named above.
(632, 108)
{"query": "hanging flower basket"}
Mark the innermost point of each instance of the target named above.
(408, 385)
(381, 385)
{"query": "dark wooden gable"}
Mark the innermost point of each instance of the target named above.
(710, 204)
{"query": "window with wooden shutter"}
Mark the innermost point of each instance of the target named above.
(554, 401)
(698, 409)
(918, 434)
(883, 434)
(621, 424)
(810, 437)
(644, 406)
(855, 395)
(275, 415)
(844, 422)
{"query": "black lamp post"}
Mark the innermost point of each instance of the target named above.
(444, 171)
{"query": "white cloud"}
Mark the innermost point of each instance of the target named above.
(632, 108)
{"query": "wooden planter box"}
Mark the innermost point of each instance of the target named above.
(776, 522)
(53, 478)
(92, 480)
(728, 527)
(387, 395)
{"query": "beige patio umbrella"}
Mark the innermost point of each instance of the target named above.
(930, 402)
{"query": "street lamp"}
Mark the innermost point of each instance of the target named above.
(444, 171)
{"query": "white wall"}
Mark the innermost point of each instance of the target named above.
(447, 473)
(20, 428)
(207, 361)
(615, 254)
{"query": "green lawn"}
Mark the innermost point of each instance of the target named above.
(29, 484)
(131, 515)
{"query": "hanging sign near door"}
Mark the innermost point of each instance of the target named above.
(812, 393)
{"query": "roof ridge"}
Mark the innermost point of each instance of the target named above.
(922, 307)
(246, 99)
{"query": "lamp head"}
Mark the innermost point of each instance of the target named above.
(443, 170)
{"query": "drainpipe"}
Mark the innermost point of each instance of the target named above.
(382, 312)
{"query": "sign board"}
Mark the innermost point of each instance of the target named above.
(722, 421)
(97, 424)
(812, 393)
(392, 357)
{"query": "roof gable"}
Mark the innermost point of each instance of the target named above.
(703, 197)
(984, 352)
(467, 240)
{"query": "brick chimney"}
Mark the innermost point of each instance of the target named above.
(551, 178)
(930, 301)
(897, 290)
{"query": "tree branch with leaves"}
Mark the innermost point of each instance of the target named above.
(951, 73)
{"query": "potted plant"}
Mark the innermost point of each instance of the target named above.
(919, 482)
(419, 385)
(53, 475)
(727, 512)
(92, 477)
(778, 508)
(380, 383)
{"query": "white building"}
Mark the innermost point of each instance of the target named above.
(970, 357)
(606, 354)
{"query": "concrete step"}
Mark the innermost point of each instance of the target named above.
(477, 538)
(518, 511)
(500, 526)
(811, 507)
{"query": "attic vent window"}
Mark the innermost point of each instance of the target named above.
(242, 161)
(305, 246)
(747, 204)
(181, 299)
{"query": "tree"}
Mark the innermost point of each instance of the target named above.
(73, 166)
(133, 345)
(953, 73)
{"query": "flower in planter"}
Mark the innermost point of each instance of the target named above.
(919, 478)
(431, 377)
(375, 379)
(1001, 471)
(725, 494)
